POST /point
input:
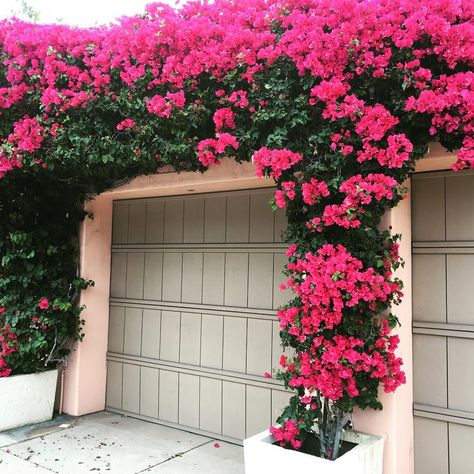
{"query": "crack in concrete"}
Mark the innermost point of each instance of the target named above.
(174, 457)
(28, 461)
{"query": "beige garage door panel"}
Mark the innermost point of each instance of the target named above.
(237, 217)
(243, 278)
(431, 441)
(443, 342)
(238, 344)
(192, 330)
(213, 405)
(435, 438)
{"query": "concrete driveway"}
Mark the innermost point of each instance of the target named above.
(106, 442)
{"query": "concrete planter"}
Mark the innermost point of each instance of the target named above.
(261, 455)
(27, 399)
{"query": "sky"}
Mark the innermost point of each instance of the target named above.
(78, 12)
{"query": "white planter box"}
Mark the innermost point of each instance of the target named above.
(27, 399)
(261, 455)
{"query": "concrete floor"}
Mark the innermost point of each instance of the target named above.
(106, 442)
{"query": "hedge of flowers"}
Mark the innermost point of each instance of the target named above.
(334, 99)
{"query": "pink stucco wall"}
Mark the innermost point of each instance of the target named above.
(85, 378)
(395, 421)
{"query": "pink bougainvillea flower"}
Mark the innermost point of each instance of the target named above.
(274, 161)
(8, 345)
(224, 118)
(314, 190)
(126, 124)
(43, 303)
(287, 193)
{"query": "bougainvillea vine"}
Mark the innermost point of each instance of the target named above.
(333, 99)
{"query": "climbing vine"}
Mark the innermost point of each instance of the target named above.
(334, 99)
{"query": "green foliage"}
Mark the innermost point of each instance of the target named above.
(39, 223)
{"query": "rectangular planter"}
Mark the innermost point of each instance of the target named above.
(261, 455)
(27, 399)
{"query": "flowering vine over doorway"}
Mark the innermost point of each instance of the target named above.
(334, 99)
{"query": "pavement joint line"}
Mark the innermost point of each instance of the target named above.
(29, 462)
(181, 454)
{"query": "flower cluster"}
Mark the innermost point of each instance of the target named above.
(27, 134)
(224, 118)
(313, 190)
(331, 366)
(163, 106)
(375, 122)
(209, 149)
(329, 91)
(8, 163)
(360, 192)
(274, 162)
(332, 288)
(126, 124)
(8, 345)
(43, 303)
(395, 155)
(239, 99)
(286, 193)
(327, 283)
(287, 433)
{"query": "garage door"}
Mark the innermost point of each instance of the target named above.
(194, 287)
(443, 327)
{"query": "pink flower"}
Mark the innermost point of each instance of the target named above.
(329, 91)
(159, 105)
(375, 122)
(290, 251)
(8, 345)
(224, 118)
(239, 99)
(224, 141)
(43, 303)
(209, 149)
(287, 434)
(27, 134)
(125, 124)
(163, 106)
(274, 162)
(360, 192)
(287, 193)
(313, 190)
